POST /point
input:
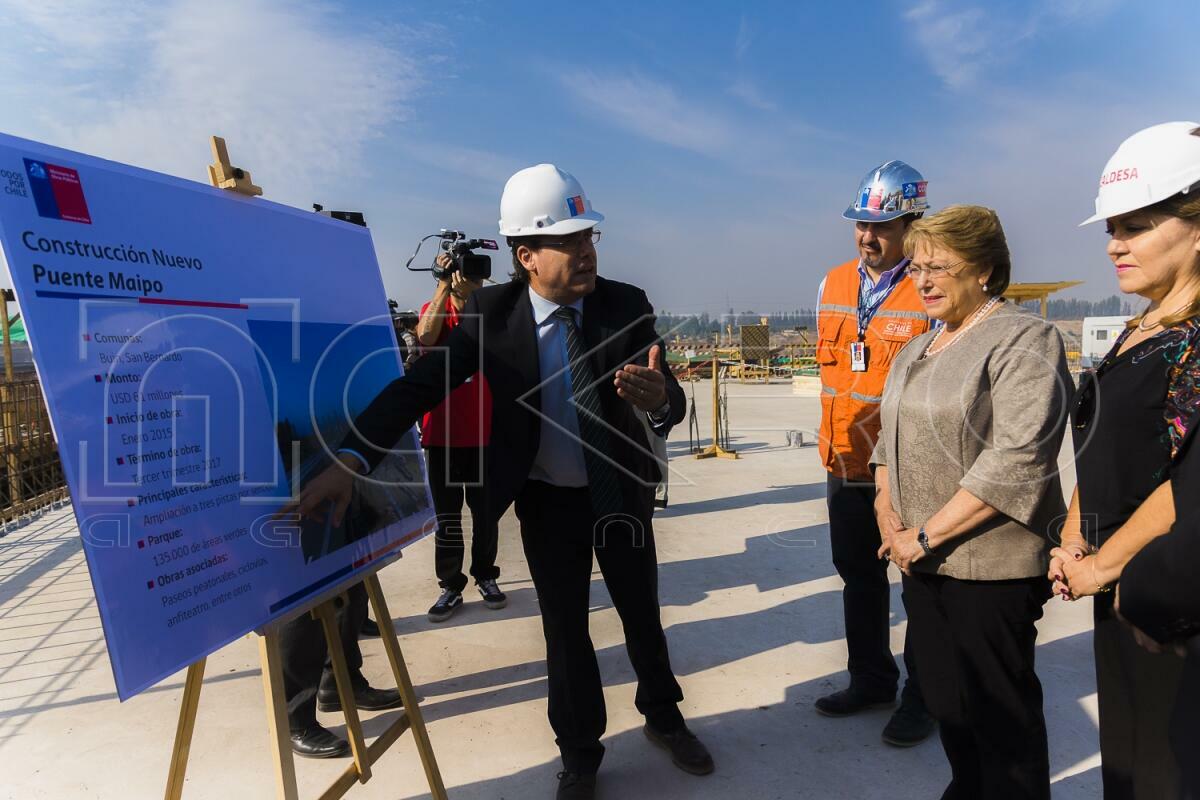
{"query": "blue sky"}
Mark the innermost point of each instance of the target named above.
(721, 140)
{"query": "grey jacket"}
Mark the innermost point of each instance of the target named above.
(987, 414)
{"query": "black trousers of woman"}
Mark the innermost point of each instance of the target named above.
(1185, 723)
(973, 642)
(1137, 691)
(455, 473)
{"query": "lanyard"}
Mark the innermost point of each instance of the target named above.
(867, 309)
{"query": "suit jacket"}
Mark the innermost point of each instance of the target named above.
(496, 335)
(1158, 586)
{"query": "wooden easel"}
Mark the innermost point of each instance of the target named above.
(226, 176)
(715, 450)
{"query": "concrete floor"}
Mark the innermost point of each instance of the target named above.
(753, 614)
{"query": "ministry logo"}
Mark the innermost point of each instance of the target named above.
(57, 191)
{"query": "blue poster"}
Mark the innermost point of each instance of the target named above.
(202, 354)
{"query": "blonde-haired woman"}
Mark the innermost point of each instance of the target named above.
(973, 416)
(1128, 419)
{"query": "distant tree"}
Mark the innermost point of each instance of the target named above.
(1076, 309)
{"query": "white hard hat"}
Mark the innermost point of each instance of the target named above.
(1150, 166)
(545, 200)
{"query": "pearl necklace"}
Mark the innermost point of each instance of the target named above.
(978, 315)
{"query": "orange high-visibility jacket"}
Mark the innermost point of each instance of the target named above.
(850, 400)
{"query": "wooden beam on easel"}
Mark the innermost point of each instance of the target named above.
(277, 721)
(411, 718)
(183, 731)
(326, 614)
(415, 719)
(224, 175)
(323, 609)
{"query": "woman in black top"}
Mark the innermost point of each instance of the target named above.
(1129, 417)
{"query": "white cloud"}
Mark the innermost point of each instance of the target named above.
(74, 30)
(295, 91)
(961, 41)
(489, 169)
(773, 150)
(749, 93)
(654, 111)
(955, 43)
(741, 44)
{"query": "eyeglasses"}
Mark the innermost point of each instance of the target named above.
(573, 242)
(934, 271)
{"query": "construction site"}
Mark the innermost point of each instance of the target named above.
(751, 606)
(480, 401)
(760, 353)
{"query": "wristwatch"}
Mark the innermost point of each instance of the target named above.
(923, 540)
(659, 415)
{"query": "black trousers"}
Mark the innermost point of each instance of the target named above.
(1185, 723)
(866, 598)
(557, 533)
(306, 665)
(449, 469)
(974, 646)
(1137, 691)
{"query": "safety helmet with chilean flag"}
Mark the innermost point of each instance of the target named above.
(891, 190)
(543, 200)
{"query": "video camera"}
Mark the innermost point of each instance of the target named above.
(401, 319)
(473, 266)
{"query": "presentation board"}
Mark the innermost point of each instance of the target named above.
(201, 353)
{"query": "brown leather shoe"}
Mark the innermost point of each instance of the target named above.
(687, 752)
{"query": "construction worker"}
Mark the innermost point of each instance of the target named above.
(868, 310)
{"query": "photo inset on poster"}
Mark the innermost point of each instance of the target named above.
(338, 371)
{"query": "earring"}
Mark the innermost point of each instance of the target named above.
(985, 287)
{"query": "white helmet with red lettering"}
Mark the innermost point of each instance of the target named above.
(1150, 166)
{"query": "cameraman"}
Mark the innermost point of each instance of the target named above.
(454, 435)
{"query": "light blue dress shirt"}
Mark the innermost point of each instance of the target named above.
(559, 458)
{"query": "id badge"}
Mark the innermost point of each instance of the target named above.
(858, 356)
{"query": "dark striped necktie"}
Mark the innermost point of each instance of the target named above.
(593, 430)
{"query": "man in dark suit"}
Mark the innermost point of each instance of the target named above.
(1157, 595)
(308, 682)
(574, 364)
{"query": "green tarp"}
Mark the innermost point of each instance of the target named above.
(16, 329)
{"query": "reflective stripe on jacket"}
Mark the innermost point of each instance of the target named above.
(850, 400)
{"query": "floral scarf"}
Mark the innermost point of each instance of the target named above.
(1183, 392)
